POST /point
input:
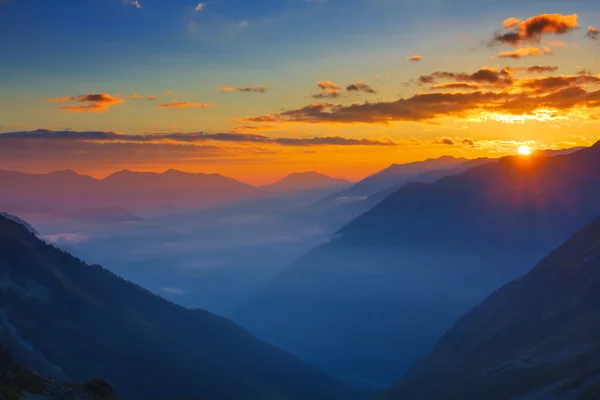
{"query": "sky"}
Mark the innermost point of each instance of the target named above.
(257, 90)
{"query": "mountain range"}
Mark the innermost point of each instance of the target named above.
(379, 293)
(535, 338)
(68, 320)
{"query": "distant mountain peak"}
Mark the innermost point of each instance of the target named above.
(308, 180)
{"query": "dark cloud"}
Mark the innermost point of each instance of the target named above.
(360, 87)
(445, 141)
(532, 29)
(483, 75)
(415, 58)
(539, 69)
(592, 33)
(187, 138)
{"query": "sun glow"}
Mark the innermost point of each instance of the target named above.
(524, 150)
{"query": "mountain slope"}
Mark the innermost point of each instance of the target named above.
(18, 383)
(381, 291)
(397, 173)
(350, 209)
(538, 337)
(83, 321)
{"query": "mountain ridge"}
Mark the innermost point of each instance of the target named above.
(97, 324)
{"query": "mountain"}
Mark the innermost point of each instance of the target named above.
(17, 382)
(18, 220)
(305, 181)
(137, 191)
(379, 293)
(397, 173)
(353, 207)
(62, 317)
(535, 338)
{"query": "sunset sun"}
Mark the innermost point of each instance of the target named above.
(524, 150)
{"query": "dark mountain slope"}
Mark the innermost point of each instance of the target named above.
(17, 382)
(538, 337)
(379, 293)
(84, 321)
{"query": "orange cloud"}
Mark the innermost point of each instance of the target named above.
(523, 52)
(502, 98)
(245, 89)
(328, 90)
(455, 85)
(415, 58)
(592, 33)
(61, 99)
(94, 102)
(511, 22)
(136, 96)
(184, 104)
(532, 29)
(557, 43)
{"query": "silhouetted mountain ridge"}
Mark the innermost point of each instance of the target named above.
(83, 321)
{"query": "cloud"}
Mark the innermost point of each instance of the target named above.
(245, 89)
(136, 96)
(93, 102)
(557, 43)
(136, 4)
(483, 75)
(60, 99)
(592, 33)
(184, 104)
(328, 90)
(454, 86)
(173, 291)
(415, 58)
(189, 138)
(523, 52)
(200, 7)
(532, 29)
(360, 87)
(446, 141)
(538, 69)
(501, 97)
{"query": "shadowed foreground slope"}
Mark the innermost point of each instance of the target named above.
(536, 338)
(63, 316)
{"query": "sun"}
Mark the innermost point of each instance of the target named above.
(524, 150)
